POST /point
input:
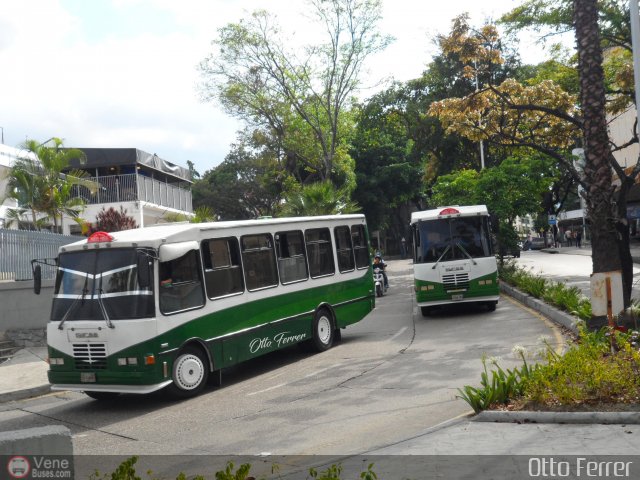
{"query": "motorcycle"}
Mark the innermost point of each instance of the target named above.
(378, 280)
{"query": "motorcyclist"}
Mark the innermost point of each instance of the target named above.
(378, 262)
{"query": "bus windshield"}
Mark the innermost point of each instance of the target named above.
(100, 285)
(453, 239)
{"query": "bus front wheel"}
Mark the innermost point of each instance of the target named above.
(323, 331)
(426, 311)
(190, 373)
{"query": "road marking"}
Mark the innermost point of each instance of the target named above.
(400, 332)
(266, 389)
(320, 371)
(284, 384)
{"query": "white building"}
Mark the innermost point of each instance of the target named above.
(145, 185)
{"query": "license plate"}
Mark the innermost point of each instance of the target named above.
(456, 296)
(87, 377)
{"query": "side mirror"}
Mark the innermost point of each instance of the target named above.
(37, 279)
(144, 279)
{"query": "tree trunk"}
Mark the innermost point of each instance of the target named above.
(601, 208)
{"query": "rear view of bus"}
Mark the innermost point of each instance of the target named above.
(453, 257)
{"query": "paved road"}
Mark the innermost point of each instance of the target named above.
(394, 375)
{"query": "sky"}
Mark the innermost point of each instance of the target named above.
(123, 73)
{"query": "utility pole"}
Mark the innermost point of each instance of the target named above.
(475, 67)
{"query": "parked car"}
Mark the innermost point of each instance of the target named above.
(536, 243)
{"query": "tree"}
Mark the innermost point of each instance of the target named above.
(513, 188)
(545, 118)
(258, 79)
(38, 183)
(320, 198)
(248, 184)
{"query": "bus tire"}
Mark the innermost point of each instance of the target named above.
(426, 311)
(491, 306)
(190, 373)
(323, 330)
(102, 395)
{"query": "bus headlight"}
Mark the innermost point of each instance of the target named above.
(56, 361)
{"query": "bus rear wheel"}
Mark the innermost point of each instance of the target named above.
(323, 331)
(190, 373)
(102, 395)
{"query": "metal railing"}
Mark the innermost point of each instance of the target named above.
(131, 187)
(19, 247)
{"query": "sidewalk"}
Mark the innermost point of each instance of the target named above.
(24, 375)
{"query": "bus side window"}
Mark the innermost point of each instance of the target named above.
(319, 252)
(181, 284)
(259, 260)
(222, 269)
(344, 249)
(360, 248)
(292, 261)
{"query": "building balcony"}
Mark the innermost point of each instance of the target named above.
(135, 187)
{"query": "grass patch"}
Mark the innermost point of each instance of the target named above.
(569, 299)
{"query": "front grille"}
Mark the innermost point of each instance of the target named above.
(90, 356)
(455, 281)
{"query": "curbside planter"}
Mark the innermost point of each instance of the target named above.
(558, 316)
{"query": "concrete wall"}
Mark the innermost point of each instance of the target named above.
(23, 309)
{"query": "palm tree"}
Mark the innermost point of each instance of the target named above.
(36, 181)
(320, 198)
(609, 226)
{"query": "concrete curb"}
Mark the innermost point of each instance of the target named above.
(625, 418)
(558, 316)
(25, 393)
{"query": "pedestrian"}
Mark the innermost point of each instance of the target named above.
(567, 237)
(579, 239)
(403, 248)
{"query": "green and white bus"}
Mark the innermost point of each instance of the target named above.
(170, 306)
(453, 259)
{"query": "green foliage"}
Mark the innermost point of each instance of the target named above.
(242, 473)
(569, 299)
(126, 471)
(589, 372)
(498, 386)
(320, 198)
(36, 181)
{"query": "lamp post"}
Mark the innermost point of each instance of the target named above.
(475, 67)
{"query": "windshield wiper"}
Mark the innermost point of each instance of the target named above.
(81, 297)
(441, 256)
(459, 245)
(102, 307)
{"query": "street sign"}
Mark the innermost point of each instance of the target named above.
(552, 220)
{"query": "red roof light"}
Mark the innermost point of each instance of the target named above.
(99, 237)
(448, 211)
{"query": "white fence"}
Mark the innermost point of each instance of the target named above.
(19, 247)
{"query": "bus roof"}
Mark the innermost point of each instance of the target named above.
(157, 235)
(449, 212)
